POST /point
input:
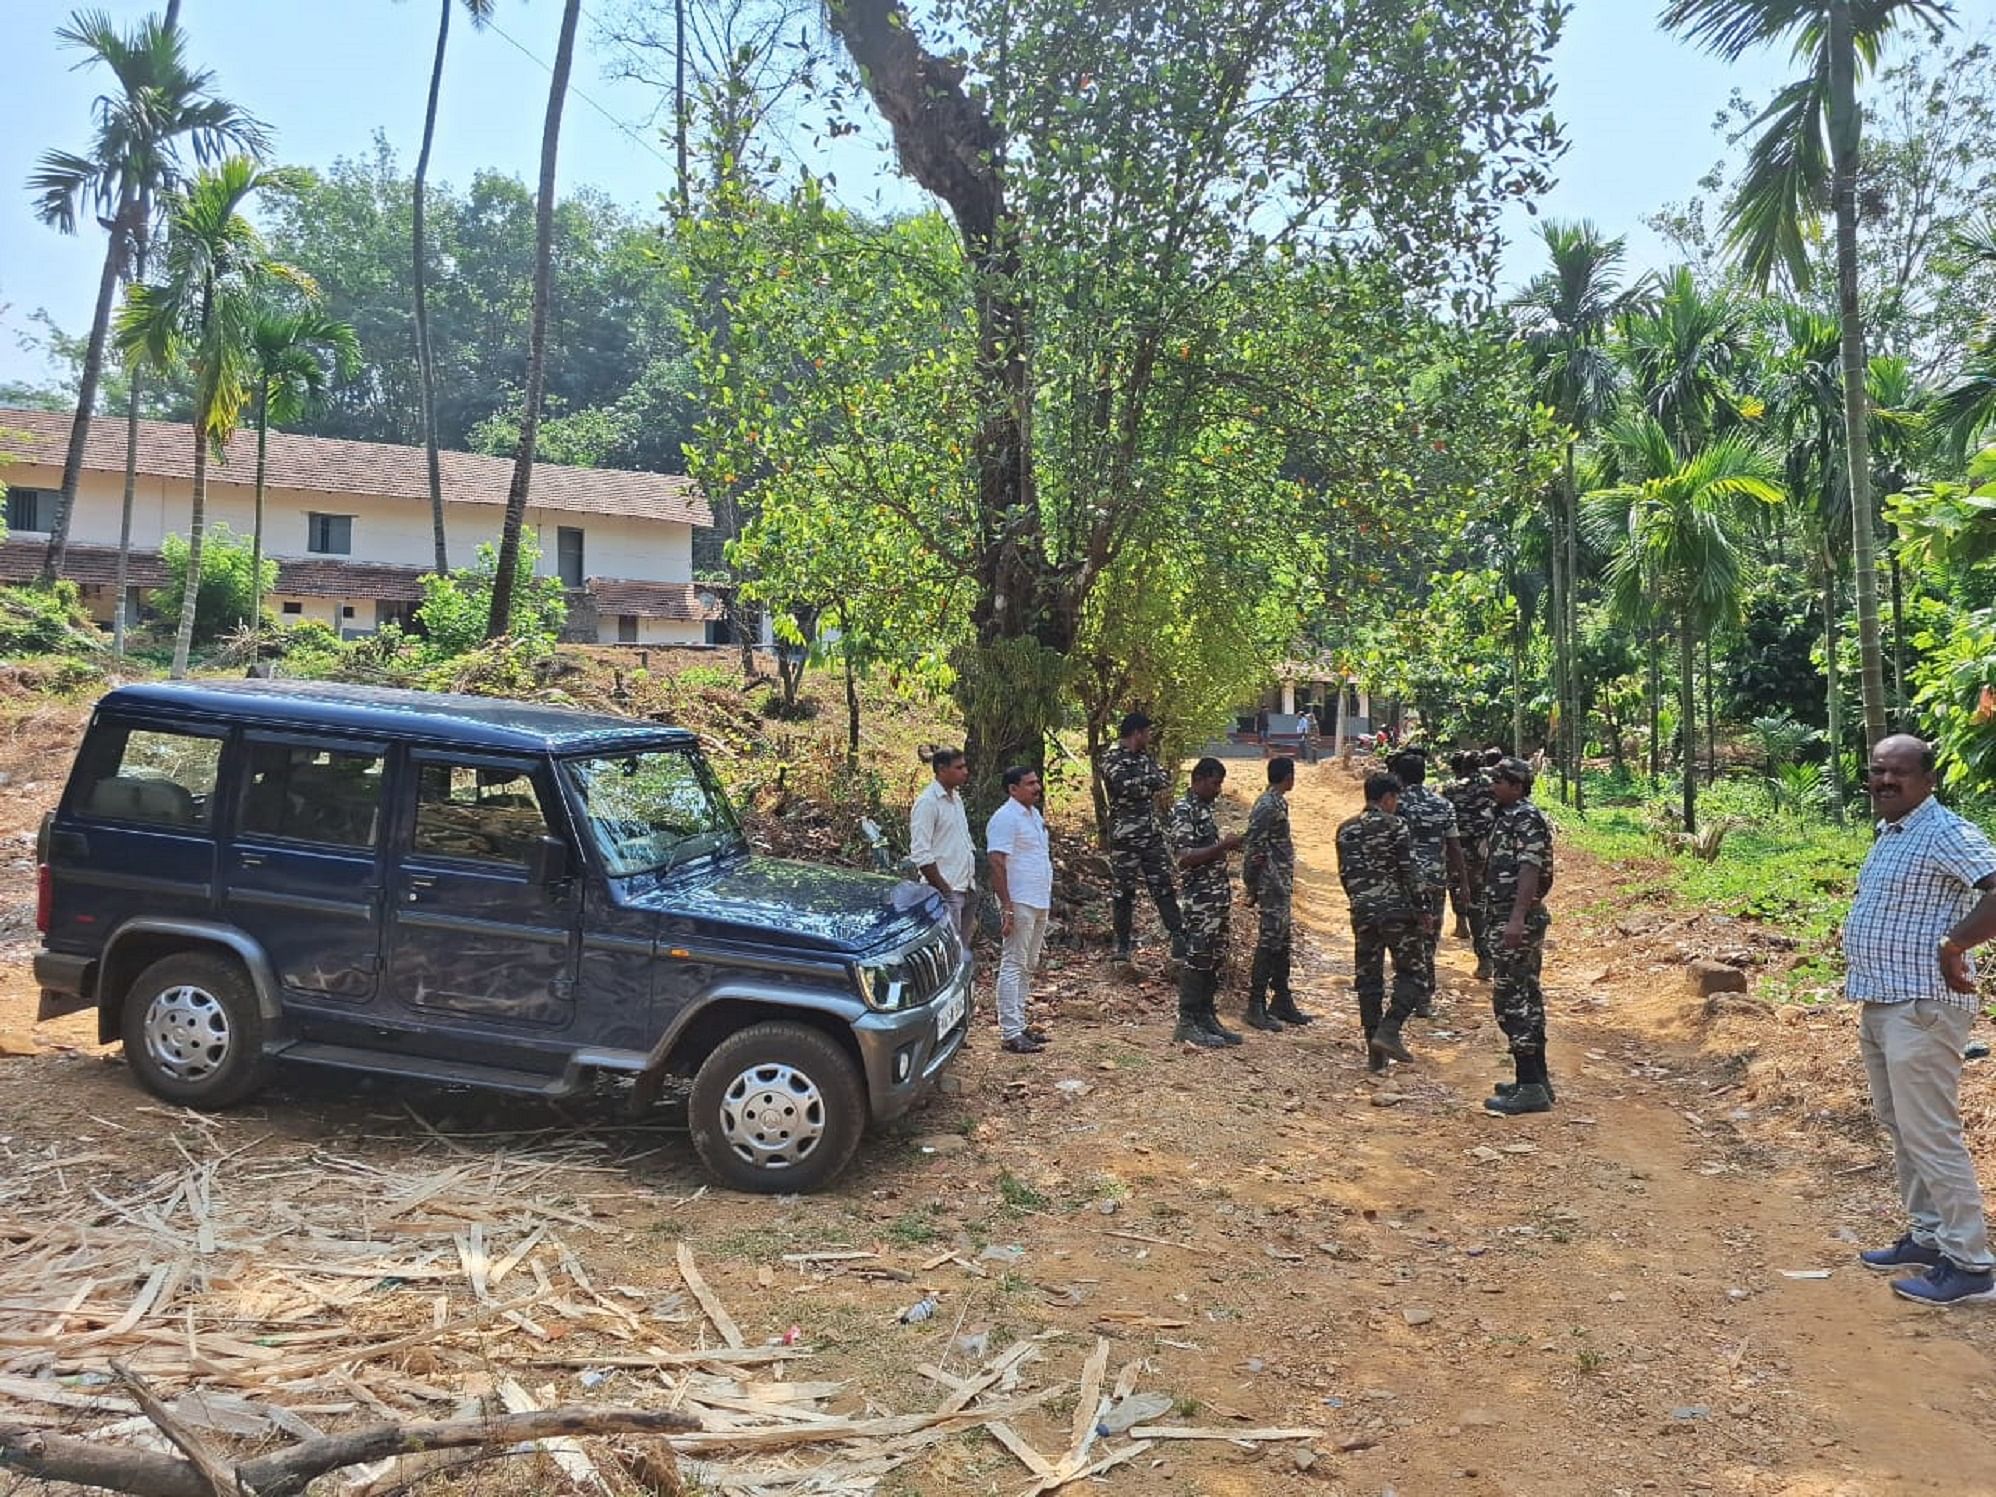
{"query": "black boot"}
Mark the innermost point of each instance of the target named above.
(1191, 1006)
(1530, 1093)
(1257, 1000)
(1209, 1013)
(1123, 919)
(1284, 1007)
(1540, 1072)
(1385, 1039)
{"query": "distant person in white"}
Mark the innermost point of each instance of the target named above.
(939, 840)
(1926, 897)
(1022, 878)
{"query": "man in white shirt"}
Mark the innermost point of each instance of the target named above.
(1022, 878)
(939, 840)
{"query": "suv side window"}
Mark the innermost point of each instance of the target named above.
(485, 814)
(309, 794)
(153, 776)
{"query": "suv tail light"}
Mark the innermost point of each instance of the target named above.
(44, 897)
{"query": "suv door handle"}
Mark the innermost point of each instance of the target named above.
(250, 860)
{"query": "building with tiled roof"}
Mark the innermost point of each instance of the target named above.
(348, 524)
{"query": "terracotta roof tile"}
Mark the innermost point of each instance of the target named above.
(655, 600)
(323, 465)
(21, 561)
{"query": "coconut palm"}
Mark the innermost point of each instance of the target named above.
(500, 619)
(292, 354)
(1678, 544)
(480, 12)
(1566, 314)
(217, 270)
(158, 105)
(1810, 139)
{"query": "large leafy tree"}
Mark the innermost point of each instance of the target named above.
(158, 106)
(216, 272)
(1809, 148)
(1118, 174)
(426, 373)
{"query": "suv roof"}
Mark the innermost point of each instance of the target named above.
(480, 722)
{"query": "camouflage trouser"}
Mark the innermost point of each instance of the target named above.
(1274, 905)
(1519, 1002)
(1436, 907)
(1370, 943)
(1205, 934)
(1140, 859)
(1471, 909)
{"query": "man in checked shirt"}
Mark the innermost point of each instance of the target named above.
(1926, 896)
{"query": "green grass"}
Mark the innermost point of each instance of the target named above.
(1019, 1195)
(1794, 874)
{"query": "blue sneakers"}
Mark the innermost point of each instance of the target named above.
(1905, 1253)
(1947, 1284)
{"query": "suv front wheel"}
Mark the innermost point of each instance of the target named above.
(777, 1108)
(193, 1031)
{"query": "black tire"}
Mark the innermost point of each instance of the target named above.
(760, 1092)
(206, 1045)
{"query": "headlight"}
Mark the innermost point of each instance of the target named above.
(883, 985)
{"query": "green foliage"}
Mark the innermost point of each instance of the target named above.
(46, 620)
(227, 588)
(454, 607)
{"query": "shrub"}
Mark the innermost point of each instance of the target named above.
(39, 619)
(455, 607)
(224, 599)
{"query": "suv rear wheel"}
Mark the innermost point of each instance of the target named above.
(193, 1031)
(777, 1108)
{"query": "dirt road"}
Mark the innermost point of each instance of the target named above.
(1592, 1302)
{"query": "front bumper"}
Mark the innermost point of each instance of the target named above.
(905, 1051)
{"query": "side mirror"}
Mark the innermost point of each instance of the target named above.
(547, 861)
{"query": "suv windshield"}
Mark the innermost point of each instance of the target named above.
(652, 810)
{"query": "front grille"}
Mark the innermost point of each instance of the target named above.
(931, 965)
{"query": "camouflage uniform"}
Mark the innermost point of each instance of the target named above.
(1431, 822)
(1382, 884)
(1269, 872)
(1475, 809)
(1137, 850)
(1520, 835)
(1209, 891)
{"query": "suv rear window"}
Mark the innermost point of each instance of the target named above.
(490, 815)
(151, 776)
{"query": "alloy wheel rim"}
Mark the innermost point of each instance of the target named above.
(187, 1033)
(773, 1116)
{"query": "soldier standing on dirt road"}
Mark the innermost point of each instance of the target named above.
(1269, 874)
(1134, 781)
(1383, 887)
(1437, 853)
(1916, 917)
(1209, 896)
(1475, 809)
(1517, 878)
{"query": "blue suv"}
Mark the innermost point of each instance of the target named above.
(473, 891)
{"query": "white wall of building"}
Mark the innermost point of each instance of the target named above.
(653, 631)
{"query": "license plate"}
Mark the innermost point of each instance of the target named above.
(950, 1012)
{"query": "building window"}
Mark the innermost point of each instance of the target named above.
(31, 509)
(568, 555)
(346, 610)
(627, 628)
(294, 608)
(329, 535)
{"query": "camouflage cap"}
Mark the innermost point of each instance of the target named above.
(1512, 768)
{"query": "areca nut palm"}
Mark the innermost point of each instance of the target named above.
(1811, 137)
(1681, 352)
(158, 105)
(1681, 548)
(1566, 314)
(217, 270)
(1968, 406)
(293, 353)
(480, 12)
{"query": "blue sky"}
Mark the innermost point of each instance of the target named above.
(1638, 106)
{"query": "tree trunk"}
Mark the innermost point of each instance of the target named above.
(679, 116)
(1576, 717)
(1846, 130)
(426, 371)
(1558, 638)
(852, 702)
(1687, 704)
(256, 523)
(1518, 686)
(1834, 703)
(1900, 716)
(119, 620)
(190, 589)
(1655, 703)
(54, 554)
(500, 620)
(1711, 722)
